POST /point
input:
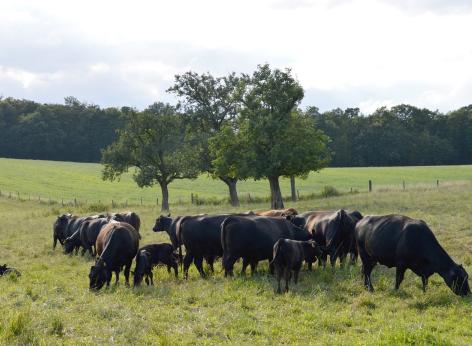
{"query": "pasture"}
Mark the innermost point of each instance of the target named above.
(69, 180)
(51, 303)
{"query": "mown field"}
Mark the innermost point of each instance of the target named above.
(67, 180)
(50, 303)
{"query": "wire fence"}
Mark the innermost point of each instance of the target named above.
(195, 199)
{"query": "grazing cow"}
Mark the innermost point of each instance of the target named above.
(85, 236)
(200, 234)
(117, 245)
(405, 243)
(150, 256)
(334, 230)
(89, 233)
(129, 217)
(73, 242)
(253, 239)
(278, 212)
(66, 225)
(4, 270)
(288, 256)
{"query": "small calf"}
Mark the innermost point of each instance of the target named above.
(289, 255)
(150, 256)
(4, 270)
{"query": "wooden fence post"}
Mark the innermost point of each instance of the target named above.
(157, 200)
(18, 193)
(75, 202)
(370, 185)
(403, 184)
(298, 194)
(191, 198)
(437, 183)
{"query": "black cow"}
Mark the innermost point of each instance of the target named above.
(334, 230)
(253, 238)
(129, 217)
(117, 245)
(4, 270)
(89, 233)
(150, 256)
(66, 225)
(199, 234)
(288, 256)
(85, 236)
(405, 243)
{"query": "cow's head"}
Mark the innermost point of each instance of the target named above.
(118, 217)
(162, 224)
(296, 220)
(60, 225)
(458, 280)
(143, 266)
(69, 245)
(98, 275)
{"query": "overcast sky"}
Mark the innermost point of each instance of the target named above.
(346, 53)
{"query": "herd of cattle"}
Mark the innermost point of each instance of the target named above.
(284, 237)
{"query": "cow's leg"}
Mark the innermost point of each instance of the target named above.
(322, 260)
(168, 268)
(353, 258)
(295, 275)
(176, 270)
(198, 261)
(310, 265)
(399, 276)
(54, 243)
(245, 264)
(188, 259)
(151, 276)
(94, 251)
(108, 278)
(253, 267)
(288, 275)
(228, 264)
(424, 280)
(279, 273)
(146, 279)
(127, 270)
(210, 260)
(83, 251)
(367, 269)
(117, 273)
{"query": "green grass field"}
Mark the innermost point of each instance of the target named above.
(50, 304)
(67, 180)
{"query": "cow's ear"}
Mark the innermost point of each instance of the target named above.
(168, 215)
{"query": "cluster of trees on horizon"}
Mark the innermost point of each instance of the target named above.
(233, 127)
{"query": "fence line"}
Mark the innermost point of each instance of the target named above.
(325, 192)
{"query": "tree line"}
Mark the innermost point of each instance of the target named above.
(233, 128)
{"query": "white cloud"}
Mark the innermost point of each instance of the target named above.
(345, 52)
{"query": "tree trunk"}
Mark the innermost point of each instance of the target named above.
(275, 193)
(292, 188)
(233, 193)
(165, 197)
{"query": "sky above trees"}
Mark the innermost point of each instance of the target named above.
(352, 53)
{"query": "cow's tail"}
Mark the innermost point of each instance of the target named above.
(278, 257)
(223, 240)
(178, 235)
